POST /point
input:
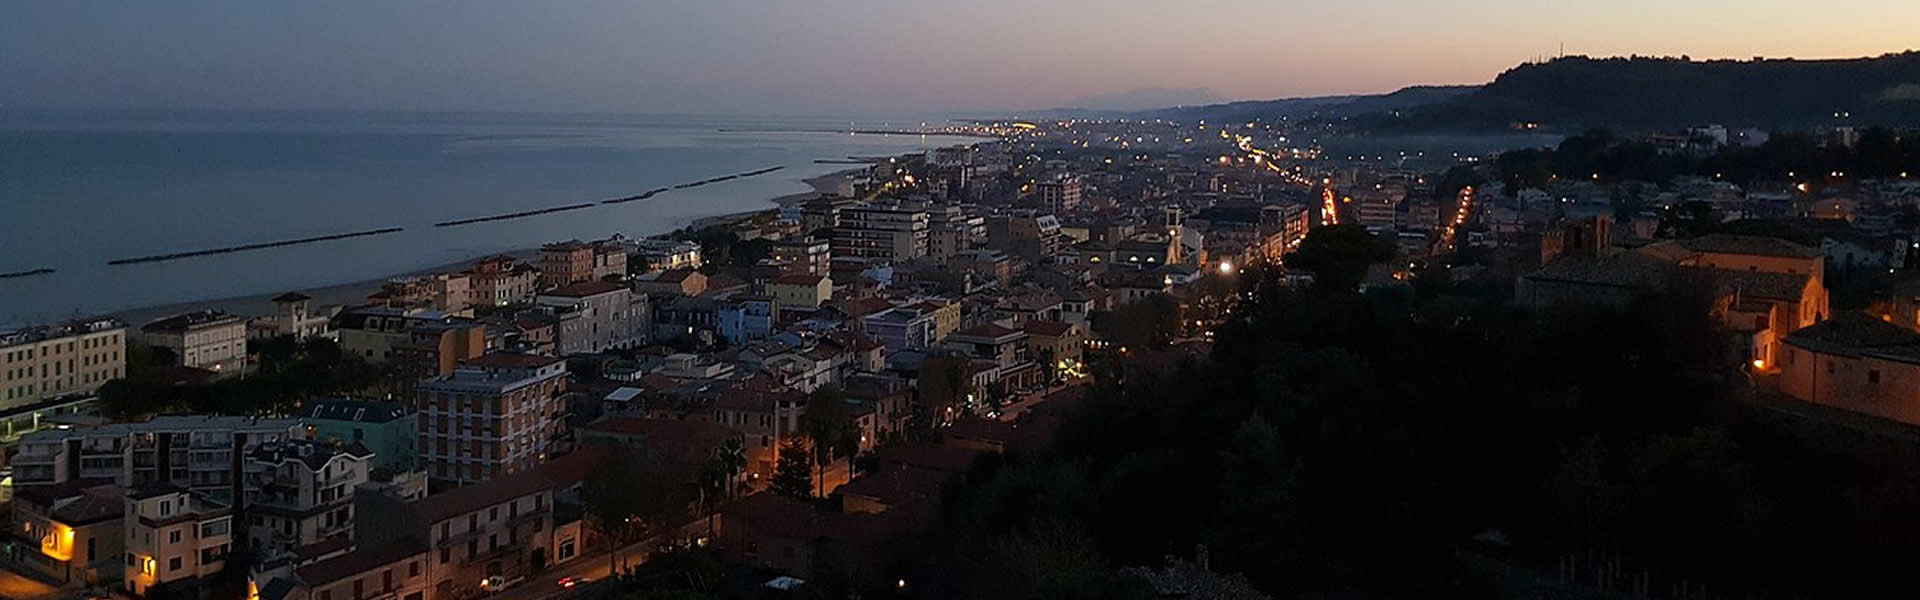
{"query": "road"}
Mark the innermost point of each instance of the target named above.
(593, 566)
(14, 586)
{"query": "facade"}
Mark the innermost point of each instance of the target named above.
(427, 342)
(500, 280)
(300, 492)
(903, 328)
(748, 318)
(887, 231)
(479, 535)
(395, 570)
(491, 417)
(1856, 363)
(1029, 235)
(292, 315)
(1059, 193)
(70, 533)
(385, 428)
(952, 229)
(675, 282)
(200, 453)
(565, 262)
(42, 363)
(667, 255)
(451, 292)
(1058, 347)
(596, 316)
(209, 340)
(173, 535)
(809, 255)
(801, 291)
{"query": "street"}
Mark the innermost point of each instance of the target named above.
(594, 567)
(14, 586)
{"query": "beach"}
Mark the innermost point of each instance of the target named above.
(355, 293)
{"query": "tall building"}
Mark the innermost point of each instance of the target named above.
(493, 416)
(574, 261)
(952, 228)
(888, 231)
(300, 492)
(424, 342)
(292, 315)
(201, 453)
(210, 340)
(810, 255)
(387, 429)
(70, 359)
(1030, 235)
(1059, 193)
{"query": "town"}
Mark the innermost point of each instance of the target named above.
(792, 392)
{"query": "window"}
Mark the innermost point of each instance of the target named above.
(173, 537)
(413, 569)
(173, 564)
(493, 514)
(328, 594)
(446, 555)
(1873, 376)
(357, 589)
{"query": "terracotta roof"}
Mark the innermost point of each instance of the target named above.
(1856, 334)
(666, 432)
(1047, 328)
(584, 289)
(558, 473)
(509, 360)
(1771, 286)
(899, 487)
(985, 330)
(1751, 245)
(359, 562)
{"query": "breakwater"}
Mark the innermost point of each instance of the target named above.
(27, 273)
(259, 246)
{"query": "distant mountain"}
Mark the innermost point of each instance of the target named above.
(1640, 93)
(1144, 99)
(1321, 106)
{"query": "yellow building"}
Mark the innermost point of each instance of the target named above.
(801, 290)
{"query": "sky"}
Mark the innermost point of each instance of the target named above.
(852, 57)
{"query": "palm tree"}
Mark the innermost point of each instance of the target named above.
(731, 460)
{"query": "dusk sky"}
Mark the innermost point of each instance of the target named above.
(846, 57)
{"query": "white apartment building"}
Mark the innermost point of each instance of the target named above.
(171, 535)
(210, 340)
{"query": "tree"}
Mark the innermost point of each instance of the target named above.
(1339, 256)
(627, 498)
(730, 459)
(829, 423)
(793, 475)
(943, 385)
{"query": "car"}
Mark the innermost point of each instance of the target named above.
(570, 581)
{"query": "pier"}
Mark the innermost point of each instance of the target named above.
(28, 273)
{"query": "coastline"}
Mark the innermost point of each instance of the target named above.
(355, 293)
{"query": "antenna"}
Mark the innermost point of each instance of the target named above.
(1563, 49)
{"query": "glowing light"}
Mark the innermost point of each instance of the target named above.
(1759, 364)
(1226, 268)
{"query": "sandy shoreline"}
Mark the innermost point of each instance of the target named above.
(356, 292)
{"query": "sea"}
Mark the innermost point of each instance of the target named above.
(81, 188)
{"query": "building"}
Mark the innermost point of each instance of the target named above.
(1033, 236)
(450, 292)
(292, 315)
(493, 416)
(810, 255)
(72, 533)
(887, 231)
(425, 342)
(685, 442)
(574, 261)
(500, 280)
(478, 537)
(173, 535)
(744, 319)
(394, 570)
(596, 316)
(1058, 347)
(200, 453)
(952, 228)
(800, 291)
(903, 328)
(300, 492)
(210, 340)
(1060, 193)
(668, 255)
(676, 282)
(1857, 363)
(388, 429)
(71, 359)
(1003, 351)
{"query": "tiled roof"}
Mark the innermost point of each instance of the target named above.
(560, 472)
(509, 360)
(360, 561)
(1751, 245)
(584, 289)
(1771, 286)
(1047, 328)
(1856, 334)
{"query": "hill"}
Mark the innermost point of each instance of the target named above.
(1321, 106)
(1636, 93)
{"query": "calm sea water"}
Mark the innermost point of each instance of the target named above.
(78, 189)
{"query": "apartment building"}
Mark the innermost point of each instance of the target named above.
(596, 316)
(574, 261)
(300, 492)
(173, 535)
(810, 255)
(385, 428)
(427, 342)
(292, 315)
(501, 280)
(1059, 193)
(70, 359)
(210, 340)
(888, 231)
(493, 416)
(199, 453)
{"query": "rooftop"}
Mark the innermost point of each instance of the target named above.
(557, 473)
(359, 561)
(359, 411)
(584, 289)
(1751, 245)
(1857, 334)
(205, 318)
